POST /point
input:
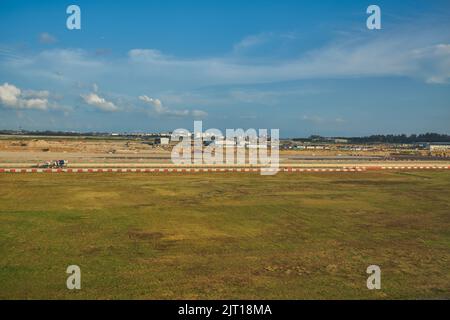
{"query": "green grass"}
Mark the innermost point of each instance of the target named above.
(230, 236)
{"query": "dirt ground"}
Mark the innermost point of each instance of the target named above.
(83, 152)
(33, 151)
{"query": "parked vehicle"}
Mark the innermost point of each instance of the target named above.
(54, 164)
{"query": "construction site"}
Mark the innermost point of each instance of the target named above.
(19, 152)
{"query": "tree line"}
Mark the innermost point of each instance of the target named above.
(402, 138)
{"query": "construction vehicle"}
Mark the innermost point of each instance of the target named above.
(54, 164)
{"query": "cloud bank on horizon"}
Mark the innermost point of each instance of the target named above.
(339, 81)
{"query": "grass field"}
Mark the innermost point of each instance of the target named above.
(239, 236)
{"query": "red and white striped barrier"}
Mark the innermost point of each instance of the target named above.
(199, 170)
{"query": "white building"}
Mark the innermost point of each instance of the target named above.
(162, 141)
(439, 147)
(224, 143)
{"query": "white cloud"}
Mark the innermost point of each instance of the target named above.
(61, 66)
(395, 53)
(160, 109)
(145, 54)
(252, 41)
(199, 113)
(156, 103)
(46, 38)
(424, 57)
(36, 103)
(42, 94)
(13, 97)
(368, 60)
(95, 100)
(436, 59)
(9, 94)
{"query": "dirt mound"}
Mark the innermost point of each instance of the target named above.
(38, 144)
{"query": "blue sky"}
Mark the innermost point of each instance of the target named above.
(305, 67)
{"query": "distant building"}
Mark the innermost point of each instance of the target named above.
(224, 143)
(439, 146)
(162, 141)
(257, 146)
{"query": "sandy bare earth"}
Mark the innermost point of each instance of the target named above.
(26, 153)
